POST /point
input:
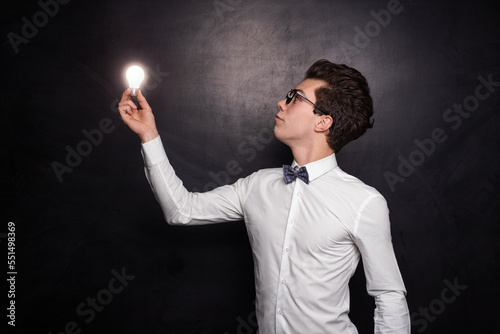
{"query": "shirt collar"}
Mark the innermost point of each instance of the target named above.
(319, 167)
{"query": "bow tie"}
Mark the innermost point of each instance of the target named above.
(291, 174)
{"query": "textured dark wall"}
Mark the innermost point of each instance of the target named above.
(215, 72)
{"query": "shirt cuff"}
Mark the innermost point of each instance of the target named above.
(153, 152)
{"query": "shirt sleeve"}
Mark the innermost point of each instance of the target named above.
(383, 278)
(181, 206)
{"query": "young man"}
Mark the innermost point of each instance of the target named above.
(308, 223)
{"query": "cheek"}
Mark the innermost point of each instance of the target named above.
(299, 123)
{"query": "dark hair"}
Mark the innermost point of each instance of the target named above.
(346, 98)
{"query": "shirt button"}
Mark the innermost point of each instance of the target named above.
(292, 221)
(280, 312)
(283, 281)
(287, 250)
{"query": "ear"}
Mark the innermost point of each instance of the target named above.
(324, 123)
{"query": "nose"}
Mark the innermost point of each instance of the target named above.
(282, 104)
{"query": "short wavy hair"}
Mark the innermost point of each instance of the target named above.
(346, 98)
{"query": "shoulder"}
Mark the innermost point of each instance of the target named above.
(354, 184)
(264, 175)
(367, 206)
(259, 183)
(351, 191)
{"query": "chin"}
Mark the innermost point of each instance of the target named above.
(276, 132)
(277, 135)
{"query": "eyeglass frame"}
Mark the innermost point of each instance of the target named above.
(290, 95)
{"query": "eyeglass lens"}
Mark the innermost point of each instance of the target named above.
(290, 95)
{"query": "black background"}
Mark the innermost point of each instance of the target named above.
(216, 71)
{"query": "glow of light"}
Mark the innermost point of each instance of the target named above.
(134, 75)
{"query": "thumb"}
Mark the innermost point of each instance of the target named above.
(142, 100)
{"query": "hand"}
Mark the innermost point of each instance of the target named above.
(141, 121)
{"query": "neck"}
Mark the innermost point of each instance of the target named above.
(304, 155)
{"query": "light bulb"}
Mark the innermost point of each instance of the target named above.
(134, 75)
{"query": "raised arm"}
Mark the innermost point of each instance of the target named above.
(179, 205)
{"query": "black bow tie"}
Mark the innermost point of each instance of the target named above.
(291, 174)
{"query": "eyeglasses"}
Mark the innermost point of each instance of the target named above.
(291, 94)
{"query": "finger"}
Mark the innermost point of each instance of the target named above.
(128, 103)
(127, 107)
(124, 114)
(142, 100)
(125, 111)
(127, 95)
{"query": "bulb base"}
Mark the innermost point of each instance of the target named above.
(134, 91)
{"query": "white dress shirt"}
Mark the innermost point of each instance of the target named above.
(306, 241)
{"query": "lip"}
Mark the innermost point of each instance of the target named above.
(277, 117)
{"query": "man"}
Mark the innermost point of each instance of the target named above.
(308, 223)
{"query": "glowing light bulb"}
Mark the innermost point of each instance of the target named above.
(134, 75)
